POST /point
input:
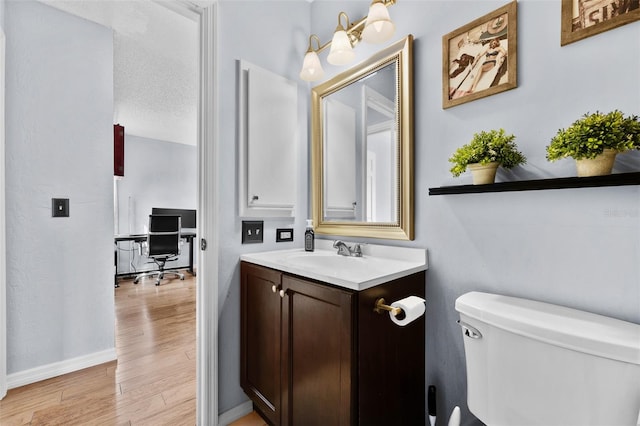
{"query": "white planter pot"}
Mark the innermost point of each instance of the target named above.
(483, 173)
(601, 165)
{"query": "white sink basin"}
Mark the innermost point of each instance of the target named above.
(335, 264)
(377, 265)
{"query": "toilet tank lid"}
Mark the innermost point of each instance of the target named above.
(558, 325)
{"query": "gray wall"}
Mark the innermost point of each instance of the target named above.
(579, 248)
(59, 143)
(274, 38)
(157, 174)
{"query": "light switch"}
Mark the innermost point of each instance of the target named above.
(59, 207)
(252, 231)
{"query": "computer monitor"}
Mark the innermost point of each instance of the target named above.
(188, 216)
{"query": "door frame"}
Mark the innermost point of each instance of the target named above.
(207, 226)
(207, 278)
(3, 228)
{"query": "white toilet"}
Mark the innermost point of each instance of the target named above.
(533, 363)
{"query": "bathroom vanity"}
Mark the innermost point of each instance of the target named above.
(314, 352)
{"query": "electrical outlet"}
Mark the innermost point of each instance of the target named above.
(59, 207)
(252, 231)
(284, 234)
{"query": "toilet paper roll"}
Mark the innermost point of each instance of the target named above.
(413, 308)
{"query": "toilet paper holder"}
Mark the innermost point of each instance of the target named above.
(381, 307)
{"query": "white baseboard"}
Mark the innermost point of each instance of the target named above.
(44, 372)
(235, 413)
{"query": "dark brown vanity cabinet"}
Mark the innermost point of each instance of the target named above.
(316, 354)
(261, 314)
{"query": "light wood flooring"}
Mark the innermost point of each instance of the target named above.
(153, 382)
(251, 419)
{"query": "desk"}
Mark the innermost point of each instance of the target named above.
(139, 238)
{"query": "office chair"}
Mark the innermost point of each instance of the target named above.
(163, 245)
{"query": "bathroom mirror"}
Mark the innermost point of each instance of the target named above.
(362, 148)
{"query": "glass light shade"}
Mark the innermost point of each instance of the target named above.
(311, 67)
(379, 27)
(341, 51)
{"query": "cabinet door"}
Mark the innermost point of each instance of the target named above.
(391, 359)
(260, 338)
(268, 135)
(318, 354)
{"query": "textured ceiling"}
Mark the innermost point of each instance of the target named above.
(155, 65)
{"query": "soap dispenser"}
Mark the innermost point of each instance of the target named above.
(309, 236)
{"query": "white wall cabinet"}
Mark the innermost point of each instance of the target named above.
(267, 133)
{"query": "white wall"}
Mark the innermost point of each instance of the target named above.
(59, 143)
(156, 174)
(274, 38)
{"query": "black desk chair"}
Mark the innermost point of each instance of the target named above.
(163, 245)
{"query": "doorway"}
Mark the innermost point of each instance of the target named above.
(206, 318)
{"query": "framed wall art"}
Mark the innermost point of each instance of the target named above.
(480, 58)
(584, 18)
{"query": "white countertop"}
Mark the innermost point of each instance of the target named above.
(378, 264)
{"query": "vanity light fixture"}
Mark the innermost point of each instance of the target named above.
(376, 27)
(379, 26)
(341, 52)
(311, 66)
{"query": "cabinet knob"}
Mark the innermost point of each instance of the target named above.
(282, 293)
(275, 288)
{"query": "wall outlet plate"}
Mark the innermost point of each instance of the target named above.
(59, 207)
(252, 231)
(284, 234)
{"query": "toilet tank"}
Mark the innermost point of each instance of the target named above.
(534, 363)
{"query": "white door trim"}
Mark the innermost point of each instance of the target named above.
(3, 232)
(207, 281)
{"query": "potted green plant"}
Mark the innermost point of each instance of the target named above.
(483, 155)
(594, 140)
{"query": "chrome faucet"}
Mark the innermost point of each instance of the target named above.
(345, 250)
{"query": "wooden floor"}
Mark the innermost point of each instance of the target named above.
(251, 419)
(152, 383)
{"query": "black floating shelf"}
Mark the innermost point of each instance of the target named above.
(618, 179)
